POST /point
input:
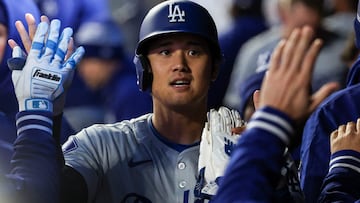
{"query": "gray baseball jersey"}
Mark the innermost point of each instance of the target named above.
(129, 161)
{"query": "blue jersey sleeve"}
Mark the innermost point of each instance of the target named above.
(35, 174)
(255, 165)
(342, 183)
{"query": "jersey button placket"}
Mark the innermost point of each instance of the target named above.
(181, 165)
(182, 184)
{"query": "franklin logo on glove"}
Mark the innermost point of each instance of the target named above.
(45, 75)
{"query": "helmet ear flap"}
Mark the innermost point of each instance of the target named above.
(144, 76)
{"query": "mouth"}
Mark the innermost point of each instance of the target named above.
(180, 83)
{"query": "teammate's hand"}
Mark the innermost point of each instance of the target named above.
(45, 73)
(217, 143)
(346, 137)
(287, 83)
(27, 36)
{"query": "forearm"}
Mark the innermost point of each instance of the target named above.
(35, 161)
(342, 183)
(255, 165)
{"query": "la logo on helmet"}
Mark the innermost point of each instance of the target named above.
(175, 14)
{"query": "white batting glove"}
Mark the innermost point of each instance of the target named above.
(45, 75)
(217, 143)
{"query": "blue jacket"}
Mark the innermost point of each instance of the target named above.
(342, 183)
(35, 174)
(338, 109)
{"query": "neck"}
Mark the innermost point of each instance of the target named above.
(180, 126)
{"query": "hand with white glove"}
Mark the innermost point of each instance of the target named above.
(45, 75)
(217, 143)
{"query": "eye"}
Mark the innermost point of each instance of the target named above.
(194, 52)
(165, 52)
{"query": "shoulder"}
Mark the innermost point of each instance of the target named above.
(131, 130)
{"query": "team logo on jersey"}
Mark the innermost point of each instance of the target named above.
(229, 146)
(176, 14)
(70, 145)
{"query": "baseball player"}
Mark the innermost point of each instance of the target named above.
(153, 158)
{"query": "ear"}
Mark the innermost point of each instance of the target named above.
(256, 99)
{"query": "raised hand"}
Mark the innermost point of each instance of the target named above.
(286, 85)
(346, 137)
(46, 74)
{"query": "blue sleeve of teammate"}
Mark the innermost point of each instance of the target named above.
(342, 183)
(35, 174)
(315, 153)
(255, 166)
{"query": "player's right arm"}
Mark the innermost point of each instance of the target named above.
(343, 179)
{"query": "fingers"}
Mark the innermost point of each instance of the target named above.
(321, 94)
(309, 61)
(12, 43)
(31, 22)
(63, 45)
(44, 18)
(350, 128)
(39, 38)
(275, 60)
(289, 50)
(302, 48)
(70, 48)
(17, 61)
(74, 58)
(52, 39)
(23, 35)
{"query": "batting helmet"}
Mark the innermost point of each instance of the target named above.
(168, 17)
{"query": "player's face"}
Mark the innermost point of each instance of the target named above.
(182, 70)
(3, 40)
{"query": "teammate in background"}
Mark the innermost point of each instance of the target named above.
(248, 21)
(343, 179)
(294, 13)
(339, 109)
(35, 174)
(104, 84)
(74, 13)
(255, 164)
(154, 158)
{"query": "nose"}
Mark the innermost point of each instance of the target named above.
(180, 61)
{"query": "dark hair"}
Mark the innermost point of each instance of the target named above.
(317, 5)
